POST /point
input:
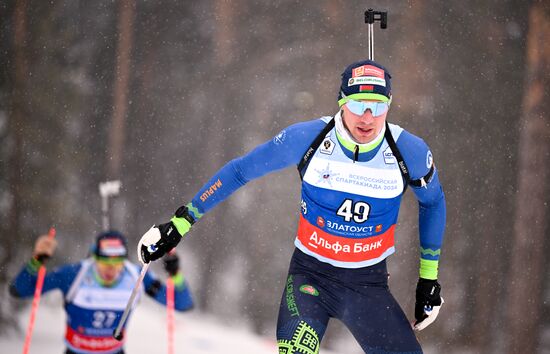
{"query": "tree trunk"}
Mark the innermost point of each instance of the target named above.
(531, 219)
(16, 127)
(492, 202)
(223, 36)
(120, 94)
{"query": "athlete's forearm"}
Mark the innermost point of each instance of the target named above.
(157, 290)
(182, 297)
(432, 218)
(24, 283)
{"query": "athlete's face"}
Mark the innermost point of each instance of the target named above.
(363, 128)
(109, 270)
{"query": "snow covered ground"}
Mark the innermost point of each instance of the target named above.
(195, 333)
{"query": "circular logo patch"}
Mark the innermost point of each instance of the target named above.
(308, 289)
(429, 159)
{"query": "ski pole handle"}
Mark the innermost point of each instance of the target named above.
(43, 257)
(36, 298)
(51, 233)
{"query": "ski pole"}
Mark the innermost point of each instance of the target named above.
(170, 314)
(117, 334)
(372, 16)
(37, 294)
(170, 309)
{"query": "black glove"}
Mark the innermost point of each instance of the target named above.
(42, 258)
(427, 297)
(156, 242)
(171, 263)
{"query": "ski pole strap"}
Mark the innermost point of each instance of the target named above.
(421, 182)
(304, 162)
(183, 212)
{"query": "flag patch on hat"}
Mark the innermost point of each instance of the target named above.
(368, 88)
(366, 80)
(367, 70)
(112, 248)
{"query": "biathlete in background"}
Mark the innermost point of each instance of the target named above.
(96, 290)
(355, 168)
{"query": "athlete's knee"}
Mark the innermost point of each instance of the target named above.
(298, 337)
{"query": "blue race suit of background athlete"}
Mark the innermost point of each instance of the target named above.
(93, 311)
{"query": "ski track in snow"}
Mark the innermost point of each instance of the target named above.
(195, 333)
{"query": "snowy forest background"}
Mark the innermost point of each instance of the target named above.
(160, 94)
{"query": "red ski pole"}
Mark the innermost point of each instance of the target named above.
(170, 314)
(36, 299)
(170, 311)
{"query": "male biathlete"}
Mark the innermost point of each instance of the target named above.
(96, 290)
(355, 168)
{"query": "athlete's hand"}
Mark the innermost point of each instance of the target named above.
(171, 263)
(44, 247)
(157, 241)
(428, 303)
